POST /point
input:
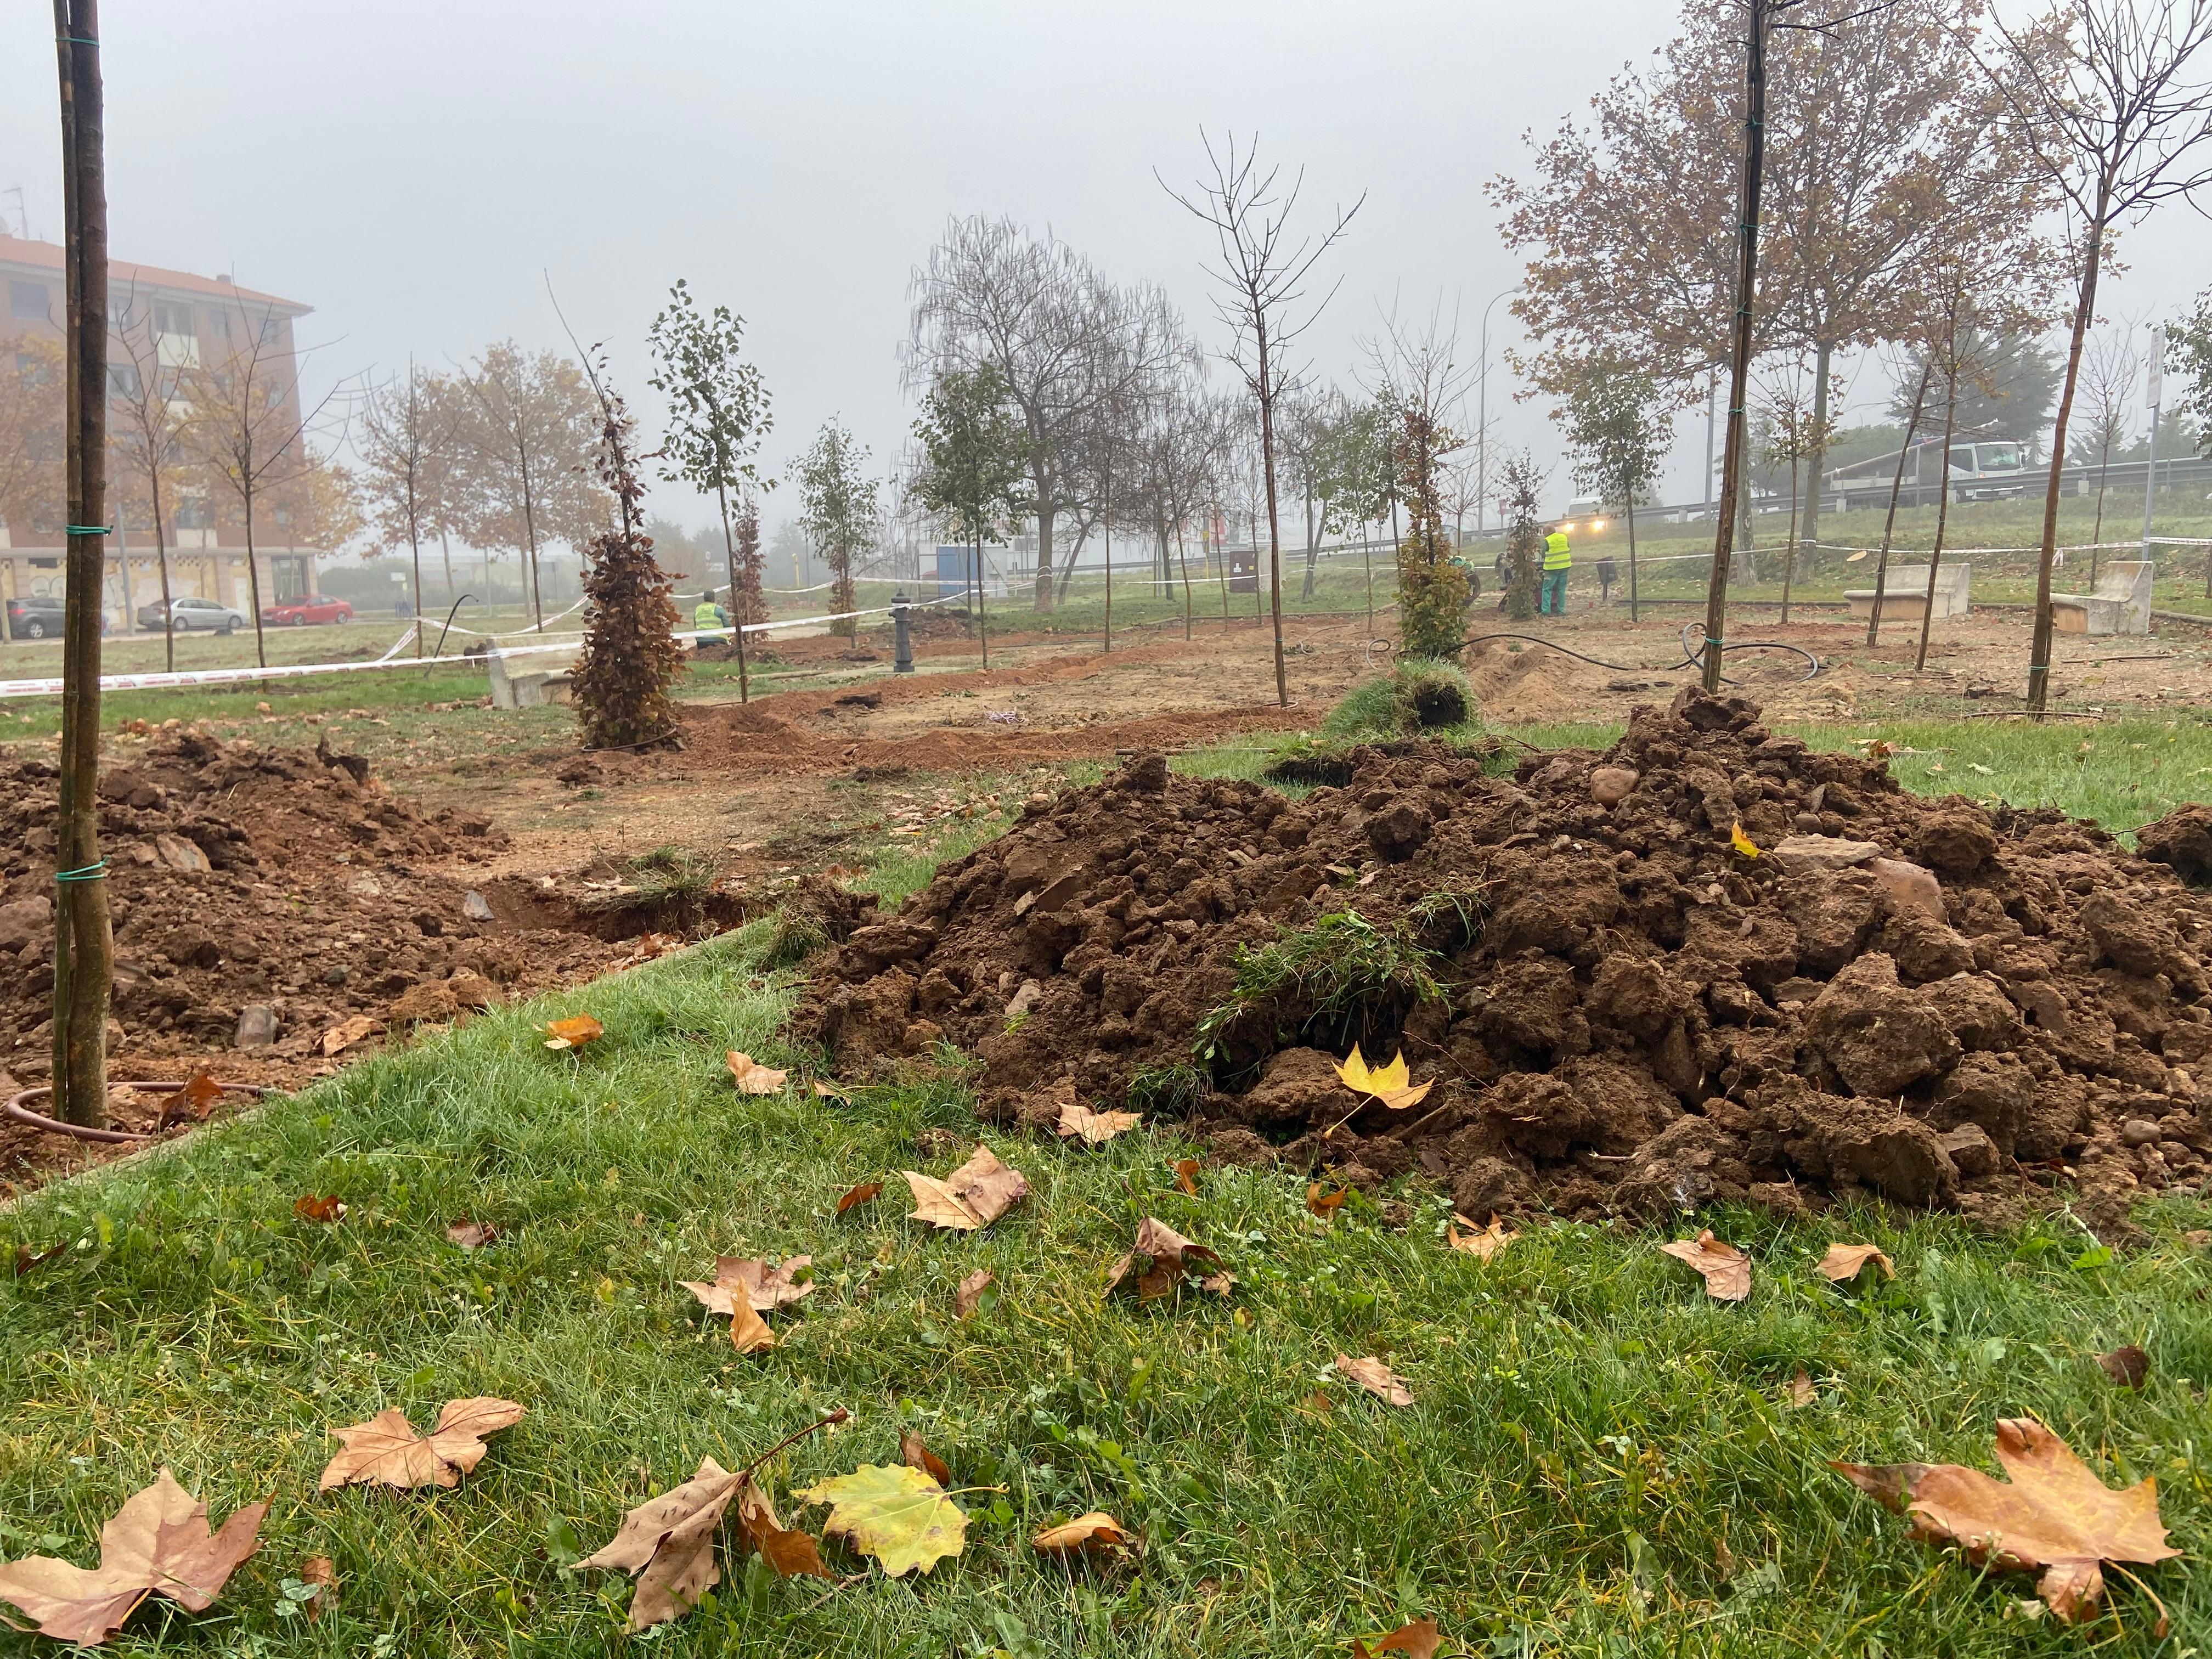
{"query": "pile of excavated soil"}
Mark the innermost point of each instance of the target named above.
(261, 897)
(1624, 1012)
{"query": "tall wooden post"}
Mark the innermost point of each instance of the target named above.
(84, 946)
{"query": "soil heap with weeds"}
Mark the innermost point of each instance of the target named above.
(1709, 963)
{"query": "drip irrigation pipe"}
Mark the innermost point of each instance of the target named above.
(1691, 658)
(13, 1109)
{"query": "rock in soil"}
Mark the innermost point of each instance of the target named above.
(1621, 1011)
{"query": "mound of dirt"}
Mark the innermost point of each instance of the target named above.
(279, 881)
(1622, 1010)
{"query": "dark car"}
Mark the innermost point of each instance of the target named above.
(310, 608)
(187, 614)
(39, 618)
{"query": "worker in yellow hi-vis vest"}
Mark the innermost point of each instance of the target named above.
(1558, 559)
(706, 615)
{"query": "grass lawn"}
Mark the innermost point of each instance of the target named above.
(1599, 1460)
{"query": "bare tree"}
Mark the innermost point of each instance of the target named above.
(525, 456)
(2114, 101)
(152, 415)
(2111, 366)
(1265, 277)
(407, 432)
(1419, 380)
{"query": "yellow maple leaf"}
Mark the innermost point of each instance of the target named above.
(1392, 1084)
(1742, 843)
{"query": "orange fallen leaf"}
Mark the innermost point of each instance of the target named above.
(471, 1234)
(667, 1543)
(825, 1090)
(1801, 1392)
(1095, 1534)
(746, 1280)
(1378, 1378)
(192, 1103)
(159, 1543)
(1078, 1122)
(322, 1573)
(1325, 1205)
(973, 1195)
(916, 1455)
(386, 1451)
(1187, 1175)
(867, 1192)
(969, 1296)
(342, 1035)
(1170, 1257)
(749, 1332)
(571, 1033)
(1483, 1243)
(1419, 1640)
(2129, 1367)
(325, 1207)
(1742, 842)
(2054, 1514)
(28, 1259)
(789, 1552)
(1726, 1270)
(1844, 1262)
(751, 1077)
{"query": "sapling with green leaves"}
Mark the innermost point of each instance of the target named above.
(975, 462)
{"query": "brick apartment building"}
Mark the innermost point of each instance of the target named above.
(196, 322)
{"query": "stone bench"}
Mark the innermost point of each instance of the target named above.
(1905, 593)
(2119, 604)
(513, 686)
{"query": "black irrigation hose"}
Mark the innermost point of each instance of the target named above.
(1690, 658)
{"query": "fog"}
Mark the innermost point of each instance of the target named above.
(418, 172)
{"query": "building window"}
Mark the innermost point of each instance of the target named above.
(219, 324)
(173, 320)
(272, 330)
(27, 300)
(121, 380)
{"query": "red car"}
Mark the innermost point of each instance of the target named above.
(297, 613)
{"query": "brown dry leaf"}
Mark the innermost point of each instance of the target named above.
(1726, 1270)
(1480, 1243)
(969, 1296)
(1094, 1129)
(1095, 1534)
(323, 1573)
(28, 1259)
(385, 1451)
(1325, 1205)
(471, 1234)
(320, 1206)
(342, 1035)
(157, 1544)
(1377, 1378)
(916, 1455)
(749, 1332)
(571, 1033)
(750, 1076)
(788, 1551)
(2198, 1238)
(973, 1195)
(2054, 1514)
(1419, 1640)
(192, 1103)
(867, 1192)
(764, 1287)
(1187, 1175)
(667, 1544)
(1170, 1257)
(1801, 1391)
(2129, 1367)
(1844, 1262)
(827, 1090)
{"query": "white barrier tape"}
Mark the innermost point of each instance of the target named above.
(456, 628)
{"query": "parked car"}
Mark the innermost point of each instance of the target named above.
(40, 619)
(187, 615)
(313, 608)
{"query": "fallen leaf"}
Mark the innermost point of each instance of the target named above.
(192, 1103)
(749, 1332)
(1726, 1270)
(2198, 1238)
(385, 1451)
(667, 1544)
(342, 1035)
(1392, 1084)
(973, 1195)
(1843, 1262)
(27, 1260)
(1187, 1175)
(1801, 1391)
(2054, 1513)
(1742, 842)
(896, 1514)
(790, 1552)
(2129, 1367)
(1095, 1534)
(1094, 1129)
(571, 1033)
(867, 1192)
(969, 1296)
(323, 1207)
(1419, 1640)
(1325, 1205)
(750, 1076)
(1483, 1243)
(827, 1090)
(1170, 1257)
(1320, 1402)
(320, 1572)
(765, 1287)
(917, 1455)
(157, 1544)
(471, 1234)
(1377, 1378)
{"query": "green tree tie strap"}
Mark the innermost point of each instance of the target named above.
(88, 530)
(90, 872)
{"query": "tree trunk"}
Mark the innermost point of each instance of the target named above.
(1824, 356)
(253, 585)
(1896, 489)
(2038, 651)
(1045, 515)
(530, 536)
(1106, 542)
(1367, 558)
(1942, 500)
(982, 622)
(737, 610)
(1746, 279)
(1313, 552)
(1184, 560)
(84, 945)
(1790, 562)
(161, 561)
(2097, 530)
(1221, 565)
(1632, 616)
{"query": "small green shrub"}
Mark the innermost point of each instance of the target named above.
(1168, 1090)
(1339, 978)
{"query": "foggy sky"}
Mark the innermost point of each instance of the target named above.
(417, 171)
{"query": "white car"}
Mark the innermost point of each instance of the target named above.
(188, 616)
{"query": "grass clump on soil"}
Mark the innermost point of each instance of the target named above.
(1339, 978)
(1599, 1458)
(1420, 694)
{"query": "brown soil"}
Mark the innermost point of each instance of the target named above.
(1966, 1010)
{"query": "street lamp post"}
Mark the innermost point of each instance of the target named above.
(1482, 418)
